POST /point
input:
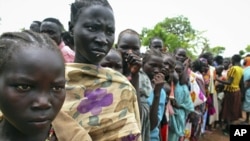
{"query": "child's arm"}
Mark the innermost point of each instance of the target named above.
(158, 82)
(134, 64)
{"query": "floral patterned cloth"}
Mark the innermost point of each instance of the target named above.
(102, 101)
(67, 129)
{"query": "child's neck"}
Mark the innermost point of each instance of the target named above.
(9, 133)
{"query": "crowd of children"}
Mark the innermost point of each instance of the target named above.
(75, 85)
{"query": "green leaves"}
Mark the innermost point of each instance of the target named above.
(175, 32)
(178, 32)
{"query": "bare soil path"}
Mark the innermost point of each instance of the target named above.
(217, 134)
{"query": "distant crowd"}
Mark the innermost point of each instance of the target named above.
(75, 85)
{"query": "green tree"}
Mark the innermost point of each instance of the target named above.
(241, 52)
(217, 50)
(176, 32)
(247, 49)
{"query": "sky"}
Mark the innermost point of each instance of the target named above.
(226, 22)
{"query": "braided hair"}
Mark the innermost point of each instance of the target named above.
(12, 42)
(78, 5)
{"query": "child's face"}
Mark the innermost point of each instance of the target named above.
(204, 67)
(94, 33)
(129, 42)
(169, 65)
(226, 63)
(179, 69)
(32, 89)
(181, 55)
(53, 30)
(219, 70)
(153, 66)
(35, 27)
(112, 60)
(157, 44)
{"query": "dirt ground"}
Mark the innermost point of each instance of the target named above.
(217, 134)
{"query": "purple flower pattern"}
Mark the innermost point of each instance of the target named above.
(201, 95)
(96, 99)
(130, 137)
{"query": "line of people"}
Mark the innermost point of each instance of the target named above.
(94, 91)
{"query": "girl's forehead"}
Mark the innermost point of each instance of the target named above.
(96, 11)
(128, 37)
(49, 25)
(39, 54)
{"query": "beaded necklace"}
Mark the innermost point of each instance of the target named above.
(51, 133)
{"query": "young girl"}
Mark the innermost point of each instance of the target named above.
(100, 99)
(231, 108)
(32, 90)
(113, 60)
(129, 46)
(220, 90)
(182, 106)
(196, 118)
(170, 80)
(152, 66)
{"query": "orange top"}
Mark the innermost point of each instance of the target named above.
(246, 61)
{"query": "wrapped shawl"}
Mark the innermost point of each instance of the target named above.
(103, 102)
(67, 129)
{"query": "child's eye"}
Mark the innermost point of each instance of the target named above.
(91, 28)
(23, 87)
(110, 32)
(57, 89)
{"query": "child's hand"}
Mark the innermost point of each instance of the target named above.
(174, 103)
(187, 62)
(134, 62)
(158, 81)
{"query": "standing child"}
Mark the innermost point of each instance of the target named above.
(100, 99)
(220, 90)
(54, 28)
(129, 45)
(231, 108)
(153, 66)
(170, 79)
(32, 90)
(182, 105)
